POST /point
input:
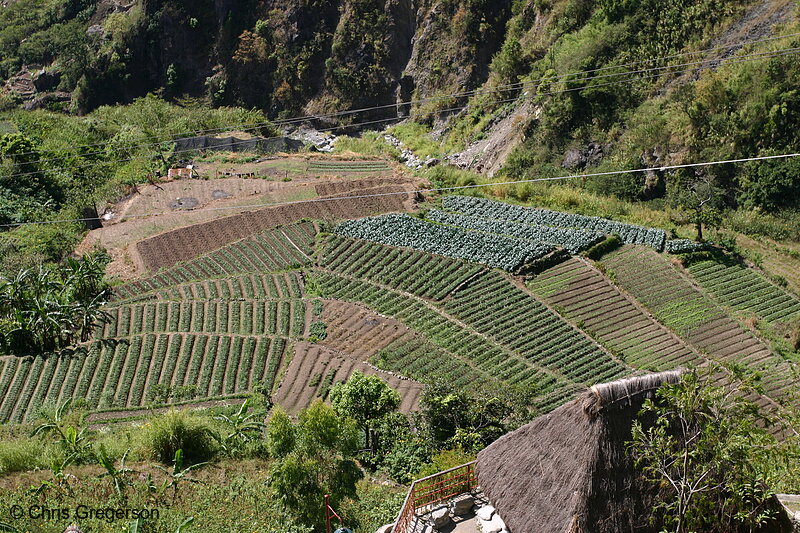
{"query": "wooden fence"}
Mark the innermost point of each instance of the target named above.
(434, 489)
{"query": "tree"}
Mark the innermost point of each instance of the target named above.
(702, 199)
(708, 446)
(313, 458)
(241, 428)
(470, 420)
(49, 308)
(365, 399)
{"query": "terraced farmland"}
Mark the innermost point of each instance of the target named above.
(285, 285)
(277, 249)
(672, 298)
(324, 166)
(217, 324)
(744, 289)
(587, 297)
(184, 244)
(285, 318)
(530, 329)
(400, 268)
(483, 324)
(122, 375)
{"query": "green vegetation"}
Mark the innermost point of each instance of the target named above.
(365, 399)
(743, 289)
(710, 449)
(314, 457)
(121, 147)
(53, 307)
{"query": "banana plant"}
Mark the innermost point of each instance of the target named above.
(178, 475)
(242, 428)
(119, 476)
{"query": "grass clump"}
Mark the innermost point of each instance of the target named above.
(416, 137)
(178, 430)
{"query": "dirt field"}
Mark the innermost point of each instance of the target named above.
(354, 334)
(315, 368)
(181, 204)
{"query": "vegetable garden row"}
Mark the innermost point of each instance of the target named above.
(286, 318)
(477, 350)
(480, 207)
(743, 289)
(287, 285)
(485, 248)
(676, 302)
(514, 319)
(348, 166)
(585, 296)
(131, 374)
(426, 275)
(572, 240)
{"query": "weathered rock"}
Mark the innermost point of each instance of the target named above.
(440, 517)
(582, 158)
(486, 512)
(385, 529)
(463, 506)
(495, 525)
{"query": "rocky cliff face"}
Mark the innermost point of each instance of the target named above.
(289, 56)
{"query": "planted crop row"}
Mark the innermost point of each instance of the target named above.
(420, 359)
(338, 165)
(494, 306)
(126, 375)
(427, 275)
(573, 240)
(676, 302)
(476, 350)
(744, 289)
(271, 317)
(288, 285)
(270, 251)
(584, 296)
(404, 230)
(684, 246)
(480, 207)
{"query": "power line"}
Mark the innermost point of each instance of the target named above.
(731, 60)
(435, 189)
(476, 92)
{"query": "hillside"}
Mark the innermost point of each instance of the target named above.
(255, 253)
(267, 306)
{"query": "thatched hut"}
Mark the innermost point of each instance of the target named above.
(569, 471)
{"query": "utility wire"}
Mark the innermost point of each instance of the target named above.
(731, 60)
(476, 92)
(434, 189)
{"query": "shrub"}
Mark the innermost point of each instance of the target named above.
(178, 430)
(602, 248)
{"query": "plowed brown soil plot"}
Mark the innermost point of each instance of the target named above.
(359, 331)
(354, 333)
(187, 243)
(315, 369)
(695, 315)
(587, 297)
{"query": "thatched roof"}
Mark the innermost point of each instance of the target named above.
(569, 471)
